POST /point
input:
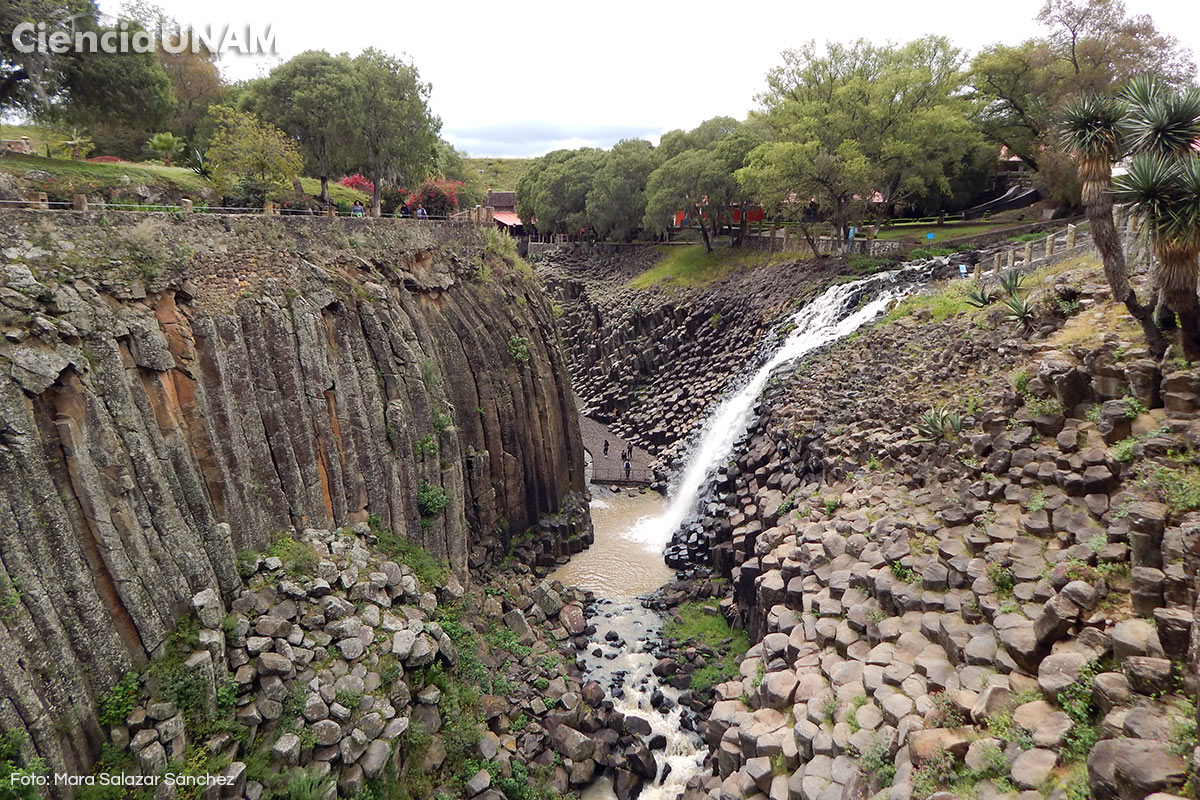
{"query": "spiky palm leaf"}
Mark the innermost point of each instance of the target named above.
(1165, 189)
(1012, 283)
(1019, 310)
(1161, 121)
(1090, 126)
(980, 296)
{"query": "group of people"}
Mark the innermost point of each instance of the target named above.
(626, 455)
(358, 210)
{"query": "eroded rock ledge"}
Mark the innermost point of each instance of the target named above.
(176, 390)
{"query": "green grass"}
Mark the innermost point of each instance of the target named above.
(498, 174)
(84, 177)
(338, 194)
(702, 622)
(946, 302)
(916, 232)
(690, 266)
(39, 135)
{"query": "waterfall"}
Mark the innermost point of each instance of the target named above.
(834, 314)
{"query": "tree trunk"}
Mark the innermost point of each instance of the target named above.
(375, 200)
(1095, 173)
(1176, 266)
(704, 233)
(812, 243)
(325, 189)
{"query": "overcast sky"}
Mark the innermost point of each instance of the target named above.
(522, 78)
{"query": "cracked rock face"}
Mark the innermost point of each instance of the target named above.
(174, 391)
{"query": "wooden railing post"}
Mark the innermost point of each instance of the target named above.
(1071, 237)
(80, 202)
(1028, 253)
(1049, 245)
(185, 206)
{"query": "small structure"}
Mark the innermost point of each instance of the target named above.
(505, 216)
(23, 145)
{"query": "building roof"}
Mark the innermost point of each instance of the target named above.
(507, 218)
(502, 199)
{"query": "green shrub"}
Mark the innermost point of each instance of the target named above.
(441, 421)
(425, 446)
(1002, 579)
(876, 764)
(939, 423)
(429, 571)
(518, 348)
(115, 705)
(299, 559)
(431, 499)
(1178, 487)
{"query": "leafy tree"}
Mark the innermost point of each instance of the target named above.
(450, 165)
(616, 202)
(167, 145)
(702, 137)
(77, 146)
(30, 81)
(555, 189)
(698, 181)
(892, 116)
(1089, 46)
(397, 134)
(310, 98)
(785, 176)
(243, 147)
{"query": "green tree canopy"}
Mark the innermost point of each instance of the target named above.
(397, 134)
(1089, 45)
(697, 181)
(555, 189)
(892, 115)
(616, 202)
(244, 148)
(311, 98)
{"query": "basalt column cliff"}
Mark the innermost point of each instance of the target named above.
(176, 391)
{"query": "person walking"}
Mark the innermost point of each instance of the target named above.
(628, 469)
(606, 448)
(422, 213)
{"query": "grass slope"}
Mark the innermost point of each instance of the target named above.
(67, 177)
(499, 174)
(690, 266)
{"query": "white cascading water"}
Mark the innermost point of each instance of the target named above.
(823, 320)
(832, 315)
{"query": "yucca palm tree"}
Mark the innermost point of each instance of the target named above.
(1165, 189)
(1091, 128)
(1163, 185)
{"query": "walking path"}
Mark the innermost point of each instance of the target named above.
(610, 469)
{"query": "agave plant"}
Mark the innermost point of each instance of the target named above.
(939, 423)
(1163, 185)
(197, 164)
(980, 296)
(1019, 310)
(1092, 128)
(1012, 283)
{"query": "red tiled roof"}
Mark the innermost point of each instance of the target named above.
(507, 218)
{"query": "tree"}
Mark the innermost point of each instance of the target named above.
(616, 203)
(397, 134)
(697, 181)
(893, 113)
(310, 99)
(29, 82)
(554, 190)
(785, 176)
(1091, 129)
(438, 196)
(1163, 184)
(1089, 46)
(242, 147)
(166, 145)
(450, 165)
